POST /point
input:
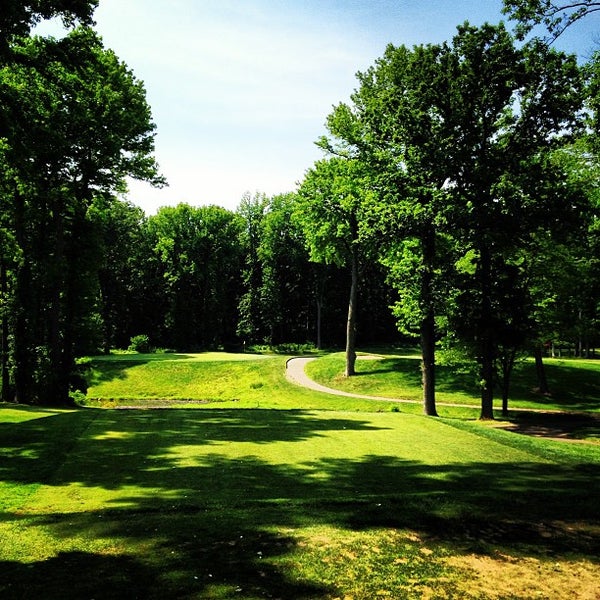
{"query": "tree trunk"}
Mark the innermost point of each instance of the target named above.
(351, 323)
(508, 362)
(487, 347)
(23, 367)
(540, 371)
(487, 379)
(428, 325)
(4, 350)
(428, 365)
(319, 311)
(57, 388)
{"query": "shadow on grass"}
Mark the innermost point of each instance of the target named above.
(222, 526)
(574, 386)
(207, 564)
(113, 367)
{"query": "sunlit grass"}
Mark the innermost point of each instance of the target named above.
(290, 504)
(325, 497)
(574, 384)
(253, 382)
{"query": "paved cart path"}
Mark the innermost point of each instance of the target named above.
(553, 424)
(296, 374)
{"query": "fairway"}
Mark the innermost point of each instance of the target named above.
(230, 503)
(137, 458)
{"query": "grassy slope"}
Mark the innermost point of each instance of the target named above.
(575, 384)
(229, 381)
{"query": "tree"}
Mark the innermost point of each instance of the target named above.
(119, 230)
(76, 123)
(286, 274)
(252, 209)
(457, 137)
(512, 108)
(555, 16)
(198, 256)
(17, 17)
(395, 126)
(332, 198)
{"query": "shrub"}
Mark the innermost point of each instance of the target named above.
(140, 343)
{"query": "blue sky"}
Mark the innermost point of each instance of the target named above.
(240, 89)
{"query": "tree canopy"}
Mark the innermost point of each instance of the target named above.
(555, 15)
(456, 138)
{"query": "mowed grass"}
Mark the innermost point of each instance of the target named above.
(231, 503)
(574, 384)
(205, 380)
(324, 497)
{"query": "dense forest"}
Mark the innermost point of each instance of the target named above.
(456, 205)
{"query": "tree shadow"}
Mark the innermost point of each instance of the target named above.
(226, 522)
(237, 567)
(571, 387)
(109, 368)
(566, 426)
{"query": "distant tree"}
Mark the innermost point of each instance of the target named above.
(119, 230)
(198, 256)
(287, 273)
(252, 210)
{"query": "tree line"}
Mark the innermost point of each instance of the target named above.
(456, 204)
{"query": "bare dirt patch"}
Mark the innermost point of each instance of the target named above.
(508, 576)
(570, 427)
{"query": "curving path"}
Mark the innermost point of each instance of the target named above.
(295, 373)
(554, 424)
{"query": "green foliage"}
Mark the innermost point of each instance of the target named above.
(459, 138)
(196, 257)
(555, 15)
(140, 343)
(18, 17)
(75, 123)
(330, 209)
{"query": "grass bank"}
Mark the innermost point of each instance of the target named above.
(574, 383)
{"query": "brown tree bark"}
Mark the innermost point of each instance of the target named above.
(351, 323)
(428, 326)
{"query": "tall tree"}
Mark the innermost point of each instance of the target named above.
(395, 126)
(331, 208)
(512, 106)
(457, 136)
(76, 123)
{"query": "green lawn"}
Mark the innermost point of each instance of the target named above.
(206, 380)
(324, 497)
(575, 384)
(261, 503)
